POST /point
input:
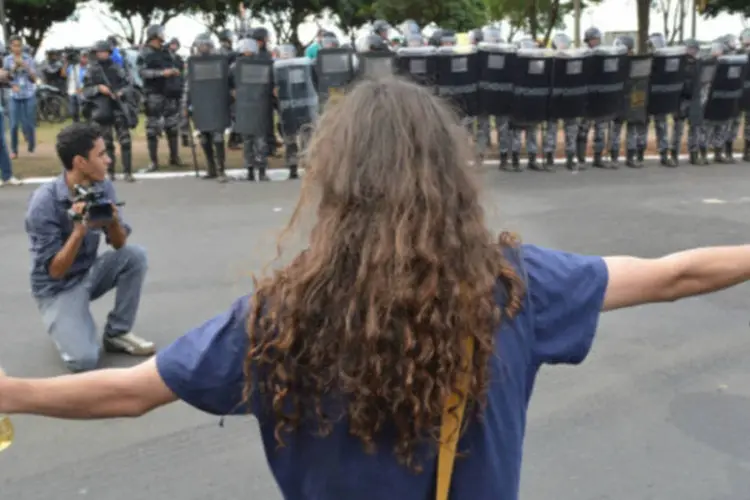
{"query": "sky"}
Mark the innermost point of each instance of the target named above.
(611, 15)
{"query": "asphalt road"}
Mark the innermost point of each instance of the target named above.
(658, 411)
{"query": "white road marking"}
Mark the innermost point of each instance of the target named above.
(714, 201)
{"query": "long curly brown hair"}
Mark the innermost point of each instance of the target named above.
(399, 270)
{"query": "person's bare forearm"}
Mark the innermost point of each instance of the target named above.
(61, 262)
(705, 270)
(92, 395)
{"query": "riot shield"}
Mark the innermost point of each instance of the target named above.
(458, 78)
(495, 61)
(253, 89)
(298, 100)
(704, 71)
(532, 83)
(376, 64)
(609, 70)
(335, 71)
(745, 99)
(667, 80)
(569, 84)
(419, 64)
(726, 91)
(209, 92)
(635, 97)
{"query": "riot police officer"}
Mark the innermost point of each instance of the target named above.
(745, 49)
(634, 132)
(162, 82)
(657, 41)
(212, 141)
(381, 29)
(109, 103)
(732, 46)
(174, 47)
(561, 41)
(261, 36)
(716, 132)
(255, 147)
(695, 140)
(530, 132)
(53, 70)
(592, 37)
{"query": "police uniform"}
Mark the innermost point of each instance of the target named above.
(110, 113)
(552, 127)
(212, 141)
(163, 94)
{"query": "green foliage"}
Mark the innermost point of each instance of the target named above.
(32, 18)
(459, 15)
(716, 7)
(539, 18)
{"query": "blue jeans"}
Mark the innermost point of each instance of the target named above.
(67, 316)
(6, 167)
(23, 114)
(74, 107)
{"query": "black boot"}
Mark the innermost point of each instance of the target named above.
(549, 162)
(221, 159)
(153, 154)
(174, 150)
(694, 158)
(675, 154)
(570, 162)
(598, 161)
(719, 156)
(112, 164)
(293, 173)
(208, 150)
(614, 157)
(729, 152)
(665, 160)
(639, 158)
(581, 152)
(533, 165)
(703, 156)
(503, 161)
(746, 152)
(127, 164)
(515, 161)
(630, 160)
(262, 177)
(185, 141)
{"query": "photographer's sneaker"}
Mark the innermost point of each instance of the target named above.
(129, 343)
(11, 182)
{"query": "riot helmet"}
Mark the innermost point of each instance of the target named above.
(693, 47)
(592, 37)
(626, 41)
(381, 28)
(260, 35)
(102, 49)
(561, 41)
(745, 38)
(410, 27)
(476, 36)
(656, 41)
(448, 38)
(527, 43)
(113, 41)
(731, 42)
(225, 36)
(203, 44)
(492, 35)
(434, 38)
(414, 40)
(174, 42)
(329, 41)
(247, 47)
(154, 32)
(286, 51)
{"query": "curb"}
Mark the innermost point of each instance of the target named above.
(277, 174)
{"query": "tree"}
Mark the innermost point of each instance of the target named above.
(644, 11)
(285, 16)
(33, 18)
(673, 15)
(215, 14)
(716, 7)
(458, 15)
(145, 13)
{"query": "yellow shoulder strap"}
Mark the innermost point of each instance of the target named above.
(450, 431)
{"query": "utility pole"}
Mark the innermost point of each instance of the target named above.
(576, 22)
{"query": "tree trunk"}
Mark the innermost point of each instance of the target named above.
(644, 7)
(552, 20)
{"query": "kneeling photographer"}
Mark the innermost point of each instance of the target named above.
(109, 102)
(65, 221)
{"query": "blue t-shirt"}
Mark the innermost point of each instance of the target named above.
(556, 325)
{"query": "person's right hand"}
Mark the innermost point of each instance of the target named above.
(104, 90)
(78, 208)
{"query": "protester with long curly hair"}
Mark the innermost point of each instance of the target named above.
(348, 355)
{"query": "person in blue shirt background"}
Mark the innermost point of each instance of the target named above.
(22, 103)
(352, 349)
(116, 54)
